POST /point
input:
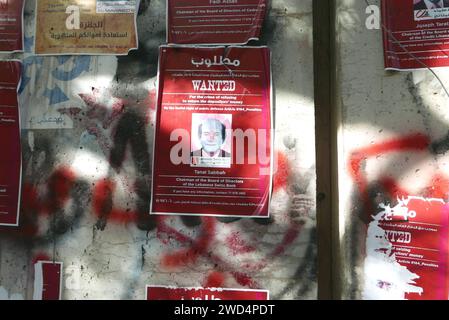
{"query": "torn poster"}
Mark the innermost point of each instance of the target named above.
(213, 140)
(407, 251)
(86, 27)
(55, 89)
(11, 154)
(214, 21)
(47, 280)
(11, 25)
(178, 293)
(416, 34)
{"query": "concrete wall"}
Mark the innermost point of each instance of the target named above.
(87, 132)
(393, 138)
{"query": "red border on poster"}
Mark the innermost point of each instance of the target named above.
(414, 36)
(214, 21)
(213, 141)
(180, 293)
(11, 154)
(47, 280)
(11, 25)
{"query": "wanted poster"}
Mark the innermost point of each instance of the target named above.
(213, 140)
(11, 25)
(416, 34)
(214, 21)
(97, 27)
(407, 251)
(11, 155)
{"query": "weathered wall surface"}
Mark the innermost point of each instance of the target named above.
(87, 138)
(393, 138)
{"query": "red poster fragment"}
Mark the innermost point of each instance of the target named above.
(11, 25)
(416, 34)
(417, 229)
(214, 21)
(11, 158)
(212, 149)
(174, 293)
(47, 280)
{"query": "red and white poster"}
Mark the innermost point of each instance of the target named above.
(212, 147)
(11, 155)
(11, 25)
(416, 33)
(407, 251)
(47, 280)
(174, 293)
(214, 21)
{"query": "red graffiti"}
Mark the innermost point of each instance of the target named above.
(245, 280)
(58, 192)
(413, 142)
(61, 182)
(439, 187)
(97, 109)
(290, 236)
(234, 243)
(103, 203)
(171, 233)
(58, 189)
(238, 245)
(197, 248)
(214, 280)
(59, 186)
(392, 188)
(280, 179)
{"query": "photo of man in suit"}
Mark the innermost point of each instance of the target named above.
(212, 135)
(431, 4)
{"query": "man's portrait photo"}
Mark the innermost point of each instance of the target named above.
(430, 4)
(210, 140)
